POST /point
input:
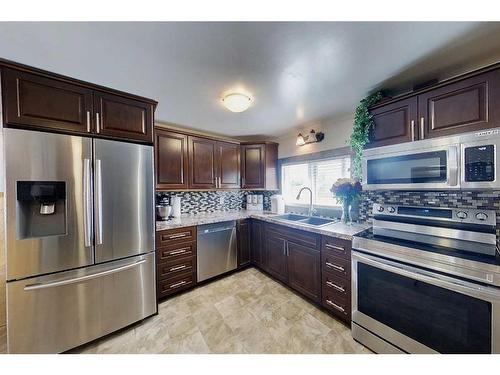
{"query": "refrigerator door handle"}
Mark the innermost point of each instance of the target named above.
(87, 204)
(98, 192)
(83, 278)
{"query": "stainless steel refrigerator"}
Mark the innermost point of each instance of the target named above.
(79, 221)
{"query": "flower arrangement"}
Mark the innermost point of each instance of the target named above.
(345, 191)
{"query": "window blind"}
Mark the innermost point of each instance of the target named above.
(318, 175)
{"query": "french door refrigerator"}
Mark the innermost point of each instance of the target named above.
(79, 221)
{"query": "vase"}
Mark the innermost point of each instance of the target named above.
(346, 212)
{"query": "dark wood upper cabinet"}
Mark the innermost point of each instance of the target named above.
(468, 105)
(171, 158)
(228, 165)
(304, 270)
(259, 166)
(121, 117)
(202, 163)
(394, 123)
(38, 102)
(243, 234)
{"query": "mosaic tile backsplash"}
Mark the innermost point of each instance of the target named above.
(194, 202)
(489, 200)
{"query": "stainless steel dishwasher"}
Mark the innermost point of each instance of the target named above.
(216, 249)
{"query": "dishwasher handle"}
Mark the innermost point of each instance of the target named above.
(215, 230)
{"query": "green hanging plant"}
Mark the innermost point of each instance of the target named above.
(363, 121)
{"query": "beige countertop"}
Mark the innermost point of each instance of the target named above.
(336, 229)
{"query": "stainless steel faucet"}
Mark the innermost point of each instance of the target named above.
(310, 211)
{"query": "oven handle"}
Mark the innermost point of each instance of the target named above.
(446, 282)
(453, 166)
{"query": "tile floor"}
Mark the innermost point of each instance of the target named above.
(247, 312)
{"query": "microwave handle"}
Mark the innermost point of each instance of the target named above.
(453, 166)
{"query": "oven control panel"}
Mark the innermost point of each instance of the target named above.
(479, 163)
(461, 215)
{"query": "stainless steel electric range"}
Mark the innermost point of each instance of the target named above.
(427, 280)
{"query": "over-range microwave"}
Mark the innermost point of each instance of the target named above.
(466, 161)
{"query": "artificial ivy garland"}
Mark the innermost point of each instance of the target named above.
(363, 121)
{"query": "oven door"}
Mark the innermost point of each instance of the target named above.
(419, 311)
(432, 168)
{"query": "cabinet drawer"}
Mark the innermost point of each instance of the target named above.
(175, 267)
(175, 284)
(177, 235)
(336, 266)
(338, 305)
(337, 247)
(168, 253)
(336, 285)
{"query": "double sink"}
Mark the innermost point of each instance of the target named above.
(305, 220)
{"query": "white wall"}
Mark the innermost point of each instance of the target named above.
(337, 130)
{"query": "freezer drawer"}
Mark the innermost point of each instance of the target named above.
(52, 314)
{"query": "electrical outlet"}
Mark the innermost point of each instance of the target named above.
(221, 200)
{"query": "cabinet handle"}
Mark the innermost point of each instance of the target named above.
(174, 236)
(287, 250)
(412, 130)
(284, 248)
(176, 285)
(243, 182)
(177, 268)
(329, 264)
(88, 121)
(335, 286)
(97, 122)
(422, 136)
(175, 252)
(334, 247)
(335, 306)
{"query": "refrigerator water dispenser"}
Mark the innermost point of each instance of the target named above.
(41, 208)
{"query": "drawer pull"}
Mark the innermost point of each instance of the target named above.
(178, 268)
(335, 306)
(176, 252)
(174, 236)
(329, 264)
(176, 285)
(334, 247)
(335, 286)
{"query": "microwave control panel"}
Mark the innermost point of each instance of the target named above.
(480, 163)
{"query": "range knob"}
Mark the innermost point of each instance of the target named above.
(380, 208)
(462, 215)
(391, 209)
(481, 216)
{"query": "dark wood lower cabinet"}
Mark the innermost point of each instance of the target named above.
(304, 270)
(243, 235)
(276, 261)
(257, 243)
(176, 261)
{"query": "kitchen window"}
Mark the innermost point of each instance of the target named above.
(319, 175)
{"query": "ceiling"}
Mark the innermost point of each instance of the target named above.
(297, 72)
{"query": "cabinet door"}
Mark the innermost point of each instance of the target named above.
(256, 243)
(468, 105)
(202, 154)
(171, 158)
(121, 117)
(243, 234)
(304, 270)
(253, 166)
(39, 102)
(394, 123)
(228, 165)
(276, 259)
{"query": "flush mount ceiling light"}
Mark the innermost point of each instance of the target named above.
(237, 102)
(312, 137)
